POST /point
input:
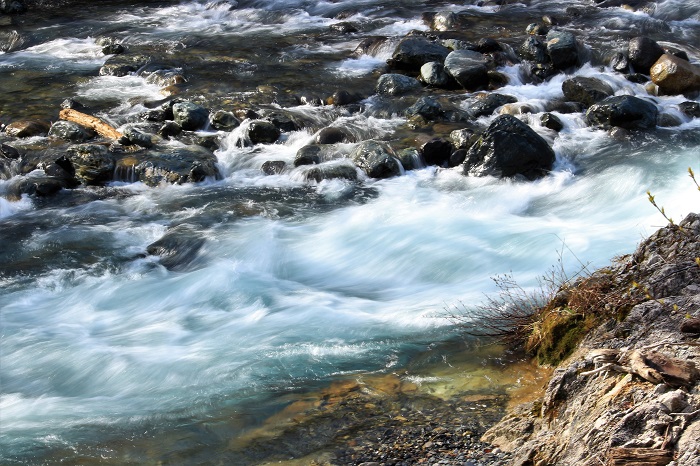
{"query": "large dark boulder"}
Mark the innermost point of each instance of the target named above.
(178, 247)
(190, 116)
(262, 132)
(468, 68)
(437, 151)
(397, 84)
(414, 52)
(93, 163)
(427, 107)
(376, 158)
(333, 135)
(509, 148)
(624, 111)
(674, 75)
(586, 90)
(176, 165)
(534, 50)
(643, 53)
(563, 50)
(71, 131)
(310, 154)
(486, 104)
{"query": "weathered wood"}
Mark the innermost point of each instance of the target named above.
(99, 126)
(638, 457)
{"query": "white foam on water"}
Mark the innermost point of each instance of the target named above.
(58, 54)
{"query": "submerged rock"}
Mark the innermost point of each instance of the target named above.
(376, 158)
(509, 148)
(178, 248)
(330, 171)
(123, 64)
(623, 111)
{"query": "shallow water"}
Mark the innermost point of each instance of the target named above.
(295, 284)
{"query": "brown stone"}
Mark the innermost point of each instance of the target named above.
(638, 457)
(674, 75)
(27, 128)
(691, 325)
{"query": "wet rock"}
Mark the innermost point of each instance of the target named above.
(308, 155)
(9, 152)
(620, 63)
(414, 52)
(643, 53)
(397, 84)
(562, 49)
(10, 41)
(93, 163)
(75, 105)
(282, 120)
(586, 90)
(27, 128)
(369, 46)
(123, 64)
(37, 185)
(190, 116)
(427, 107)
(444, 21)
(437, 151)
(690, 108)
(342, 98)
(508, 148)
(376, 158)
(176, 165)
(273, 167)
(332, 135)
(486, 104)
(488, 45)
(637, 78)
(624, 111)
(534, 49)
(551, 121)
(674, 75)
(457, 158)
(410, 158)
(178, 248)
(262, 132)
(71, 131)
(12, 7)
(468, 68)
(163, 77)
(113, 49)
(344, 27)
(667, 120)
(462, 138)
(536, 29)
(223, 121)
(170, 128)
(132, 135)
(433, 74)
(330, 171)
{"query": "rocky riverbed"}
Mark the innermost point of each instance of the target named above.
(229, 227)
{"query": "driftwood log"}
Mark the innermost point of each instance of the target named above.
(99, 126)
(638, 457)
(649, 365)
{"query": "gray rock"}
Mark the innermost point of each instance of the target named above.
(551, 121)
(123, 64)
(223, 121)
(262, 132)
(586, 90)
(414, 52)
(534, 49)
(190, 116)
(562, 49)
(397, 84)
(93, 163)
(176, 165)
(623, 111)
(71, 131)
(410, 158)
(486, 104)
(468, 68)
(376, 158)
(462, 138)
(273, 167)
(508, 148)
(308, 155)
(433, 74)
(132, 135)
(427, 107)
(330, 171)
(690, 108)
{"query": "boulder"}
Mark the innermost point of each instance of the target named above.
(330, 171)
(534, 50)
(486, 104)
(410, 158)
(444, 21)
(27, 128)
(468, 68)
(457, 158)
(190, 116)
(9, 152)
(223, 121)
(674, 75)
(71, 131)
(262, 132)
(562, 49)
(690, 108)
(586, 90)
(93, 163)
(308, 155)
(332, 135)
(273, 167)
(620, 63)
(376, 158)
(433, 74)
(462, 138)
(437, 151)
(551, 121)
(413, 52)
(132, 135)
(508, 148)
(176, 165)
(123, 64)
(397, 84)
(178, 248)
(427, 107)
(623, 111)
(643, 53)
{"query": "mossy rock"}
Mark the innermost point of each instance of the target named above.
(559, 334)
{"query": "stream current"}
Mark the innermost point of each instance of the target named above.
(296, 283)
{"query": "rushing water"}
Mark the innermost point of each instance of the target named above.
(295, 283)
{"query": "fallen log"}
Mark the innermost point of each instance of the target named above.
(99, 126)
(638, 457)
